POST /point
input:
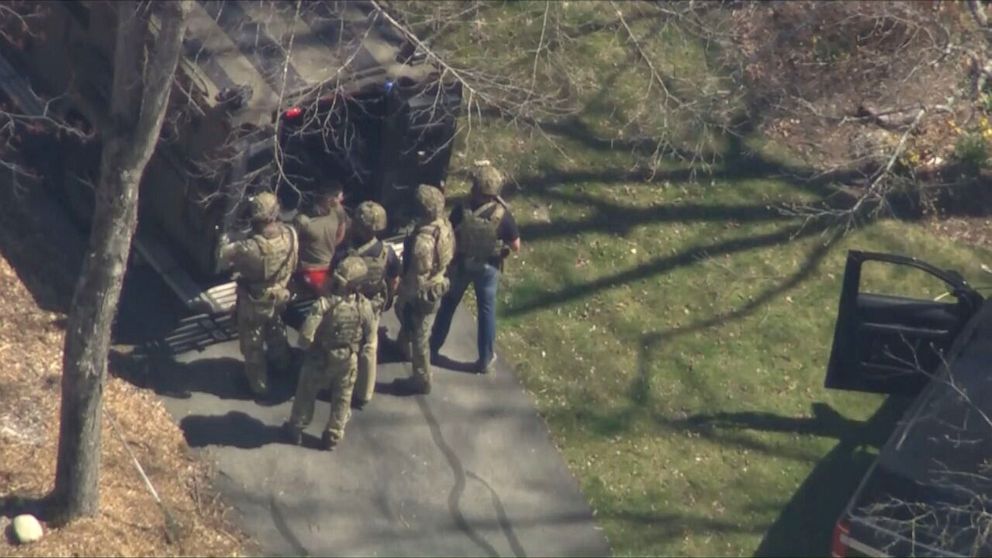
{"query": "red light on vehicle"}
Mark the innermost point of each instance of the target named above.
(838, 547)
(293, 112)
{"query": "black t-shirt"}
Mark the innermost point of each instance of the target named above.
(506, 231)
(394, 267)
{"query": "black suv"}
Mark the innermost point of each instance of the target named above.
(930, 489)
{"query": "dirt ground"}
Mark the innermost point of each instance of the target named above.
(32, 295)
(972, 230)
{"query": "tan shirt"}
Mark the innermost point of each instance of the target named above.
(319, 237)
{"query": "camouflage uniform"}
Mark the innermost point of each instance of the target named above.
(370, 219)
(331, 334)
(264, 263)
(427, 252)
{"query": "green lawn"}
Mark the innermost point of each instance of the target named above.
(675, 332)
(675, 336)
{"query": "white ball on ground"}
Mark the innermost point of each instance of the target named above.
(27, 529)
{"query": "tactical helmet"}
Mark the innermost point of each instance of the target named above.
(430, 200)
(264, 206)
(371, 215)
(486, 179)
(350, 272)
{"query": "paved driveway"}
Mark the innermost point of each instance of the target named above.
(468, 470)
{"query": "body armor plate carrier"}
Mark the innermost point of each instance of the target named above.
(477, 236)
(375, 256)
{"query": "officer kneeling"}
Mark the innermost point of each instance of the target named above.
(331, 334)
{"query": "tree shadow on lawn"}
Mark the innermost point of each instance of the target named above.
(640, 390)
(607, 217)
(807, 520)
(689, 256)
(805, 525)
(736, 161)
(641, 387)
(622, 220)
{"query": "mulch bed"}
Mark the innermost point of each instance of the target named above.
(129, 521)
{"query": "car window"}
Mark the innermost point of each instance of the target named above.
(884, 278)
(935, 470)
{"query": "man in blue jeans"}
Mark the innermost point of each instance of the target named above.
(485, 233)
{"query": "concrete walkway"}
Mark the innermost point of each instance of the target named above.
(468, 470)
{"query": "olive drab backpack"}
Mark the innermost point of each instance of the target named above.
(477, 238)
(341, 325)
(375, 280)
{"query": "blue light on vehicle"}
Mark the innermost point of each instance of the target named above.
(388, 86)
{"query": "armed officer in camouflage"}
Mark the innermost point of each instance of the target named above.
(263, 264)
(427, 251)
(331, 334)
(379, 287)
(485, 233)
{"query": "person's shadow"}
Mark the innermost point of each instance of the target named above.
(222, 377)
(390, 352)
(442, 361)
(235, 429)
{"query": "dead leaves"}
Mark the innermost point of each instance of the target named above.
(129, 522)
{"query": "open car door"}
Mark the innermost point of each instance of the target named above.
(886, 343)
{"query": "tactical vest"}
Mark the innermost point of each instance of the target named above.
(277, 261)
(375, 256)
(341, 325)
(442, 241)
(478, 234)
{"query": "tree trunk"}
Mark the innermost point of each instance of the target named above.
(139, 98)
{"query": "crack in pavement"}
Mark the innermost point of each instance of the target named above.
(504, 520)
(383, 479)
(280, 522)
(459, 472)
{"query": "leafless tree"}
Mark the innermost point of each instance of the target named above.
(540, 79)
(143, 68)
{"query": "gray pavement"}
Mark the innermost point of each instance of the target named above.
(469, 470)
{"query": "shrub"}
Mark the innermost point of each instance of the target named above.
(972, 151)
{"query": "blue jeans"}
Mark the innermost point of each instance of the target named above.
(486, 282)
